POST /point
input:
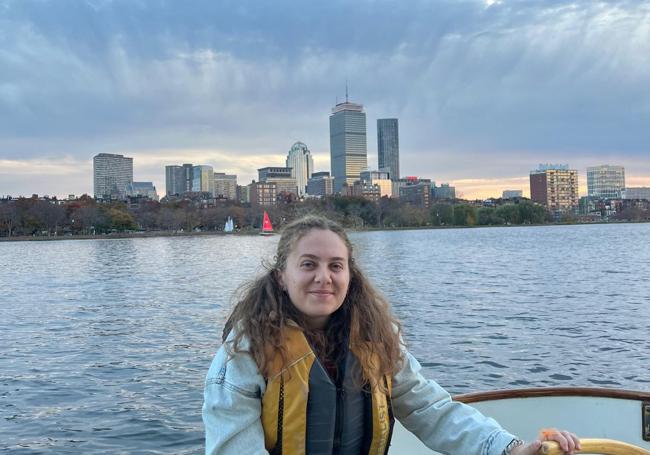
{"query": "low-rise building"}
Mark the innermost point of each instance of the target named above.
(263, 194)
(379, 178)
(640, 192)
(444, 191)
(281, 176)
(142, 189)
(225, 186)
(363, 189)
(417, 194)
(511, 194)
(320, 184)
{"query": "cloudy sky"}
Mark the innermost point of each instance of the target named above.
(484, 90)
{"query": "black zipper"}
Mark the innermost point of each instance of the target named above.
(340, 397)
(338, 428)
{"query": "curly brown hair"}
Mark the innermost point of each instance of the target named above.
(364, 319)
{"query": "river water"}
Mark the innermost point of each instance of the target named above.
(104, 344)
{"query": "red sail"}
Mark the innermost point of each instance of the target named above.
(266, 224)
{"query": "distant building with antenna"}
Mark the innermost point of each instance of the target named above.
(348, 146)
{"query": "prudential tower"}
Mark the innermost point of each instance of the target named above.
(348, 151)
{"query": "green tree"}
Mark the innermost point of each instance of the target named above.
(442, 214)
(508, 213)
(465, 215)
(120, 220)
(529, 213)
(488, 216)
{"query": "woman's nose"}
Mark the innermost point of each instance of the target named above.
(323, 275)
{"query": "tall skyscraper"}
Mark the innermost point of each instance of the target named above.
(111, 175)
(605, 182)
(300, 161)
(388, 146)
(555, 186)
(348, 151)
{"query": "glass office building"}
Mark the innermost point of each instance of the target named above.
(388, 146)
(605, 182)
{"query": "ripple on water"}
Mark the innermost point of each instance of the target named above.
(106, 343)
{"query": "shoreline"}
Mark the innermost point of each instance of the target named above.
(250, 232)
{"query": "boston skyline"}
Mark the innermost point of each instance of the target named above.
(483, 90)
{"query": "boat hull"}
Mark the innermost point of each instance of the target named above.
(590, 413)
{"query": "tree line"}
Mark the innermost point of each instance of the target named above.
(85, 216)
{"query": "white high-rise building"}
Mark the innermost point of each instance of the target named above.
(112, 174)
(300, 161)
(605, 182)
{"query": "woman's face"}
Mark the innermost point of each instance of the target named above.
(317, 275)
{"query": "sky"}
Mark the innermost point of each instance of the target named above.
(484, 91)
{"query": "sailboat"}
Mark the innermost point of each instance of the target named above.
(229, 226)
(267, 227)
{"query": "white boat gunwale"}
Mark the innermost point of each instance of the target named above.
(591, 412)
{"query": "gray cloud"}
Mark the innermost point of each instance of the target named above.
(522, 81)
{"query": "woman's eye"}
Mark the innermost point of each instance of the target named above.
(307, 264)
(337, 266)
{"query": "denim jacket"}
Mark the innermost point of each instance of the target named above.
(232, 411)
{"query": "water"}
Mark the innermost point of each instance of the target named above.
(104, 344)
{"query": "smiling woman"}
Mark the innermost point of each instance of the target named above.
(316, 276)
(312, 362)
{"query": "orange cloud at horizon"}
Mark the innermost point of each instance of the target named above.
(493, 188)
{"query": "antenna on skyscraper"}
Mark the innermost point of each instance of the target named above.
(346, 90)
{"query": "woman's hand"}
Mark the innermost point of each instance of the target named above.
(569, 442)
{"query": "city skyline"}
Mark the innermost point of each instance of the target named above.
(483, 90)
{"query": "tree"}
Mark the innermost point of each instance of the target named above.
(86, 219)
(488, 216)
(509, 213)
(465, 215)
(52, 215)
(442, 214)
(170, 219)
(529, 213)
(120, 220)
(8, 217)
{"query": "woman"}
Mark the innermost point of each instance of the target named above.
(312, 362)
